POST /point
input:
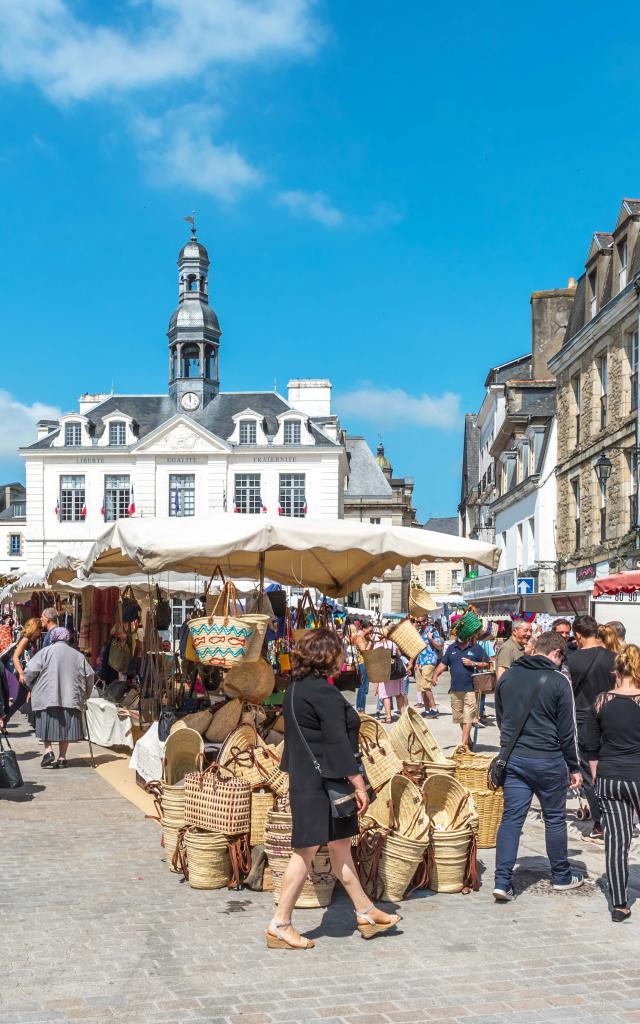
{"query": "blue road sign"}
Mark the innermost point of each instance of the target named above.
(525, 585)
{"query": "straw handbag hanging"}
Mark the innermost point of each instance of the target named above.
(222, 639)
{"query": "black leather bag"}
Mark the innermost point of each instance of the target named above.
(398, 670)
(163, 611)
(498, 767)
(10, 774)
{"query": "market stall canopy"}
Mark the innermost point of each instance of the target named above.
(24, 586)
(63, 567)
(619, 583)
(334, 555)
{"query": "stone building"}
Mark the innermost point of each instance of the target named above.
(443, 580)
(375, 495)
(13, 516)
(597, 375)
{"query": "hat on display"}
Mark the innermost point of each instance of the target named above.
(468, 625)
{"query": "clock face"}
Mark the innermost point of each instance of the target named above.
(189, 401)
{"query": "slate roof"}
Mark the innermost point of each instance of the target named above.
(517, 369)
(577, 317)
(633, 206)
(151, 411)
(447, 524)
(366, 479)
(604, 239)
(11, 513)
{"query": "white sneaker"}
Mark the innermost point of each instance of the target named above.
(575, 883)
(503, 895)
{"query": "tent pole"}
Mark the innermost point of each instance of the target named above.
(261, 563)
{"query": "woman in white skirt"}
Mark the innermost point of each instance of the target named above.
(60, 680)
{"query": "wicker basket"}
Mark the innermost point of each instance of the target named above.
(243, 737)
(260, 623)
(319, 885)
(217, 804)
(449, 854)
(406, 637)
(378, 664)
(435, 768)
(400, 807)
(208, 865)
(224, 721)
(378, 756)
(412, 740)
(261, 804)
(170, 837)
(420, 602)
(471, 769)
(490, 805)
(398, 864)
(416, 771)
(172, 806)
(446, 801)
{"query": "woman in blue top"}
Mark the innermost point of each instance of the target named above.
(463, 658)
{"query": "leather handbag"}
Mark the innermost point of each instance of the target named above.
(341, 792)
(498, 767)
(10, 774)
(162, 611)
(131, 610)
(398, 670)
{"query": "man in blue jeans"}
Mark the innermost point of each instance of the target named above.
(544, 760)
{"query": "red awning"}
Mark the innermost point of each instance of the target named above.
(619, 583)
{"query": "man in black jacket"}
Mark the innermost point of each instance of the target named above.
(544, 759)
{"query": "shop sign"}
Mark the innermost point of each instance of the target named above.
(585, 572)
(622, 597)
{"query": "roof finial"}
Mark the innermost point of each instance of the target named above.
(192, 221)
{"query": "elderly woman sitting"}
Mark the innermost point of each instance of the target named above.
(60, 679)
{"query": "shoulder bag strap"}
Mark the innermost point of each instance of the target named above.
(523, 720)
(4, 739)
(585, 673)
(316, 763)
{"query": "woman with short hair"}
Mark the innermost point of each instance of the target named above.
(60, 679)
(321, 727)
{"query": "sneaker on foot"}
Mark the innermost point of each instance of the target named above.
(575, 883)
(503, 895)
(595, 836)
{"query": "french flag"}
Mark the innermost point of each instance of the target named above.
(305, 509)
(58, 509)
(263, 506)
(280, 510)
(235, 507)
(102, 510)
(83, 512)
(132, 505)
(176, 502)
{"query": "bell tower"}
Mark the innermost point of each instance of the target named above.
(194, 333)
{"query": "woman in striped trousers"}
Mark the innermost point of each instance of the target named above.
(613, 745)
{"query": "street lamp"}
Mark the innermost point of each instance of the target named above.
(603, 469)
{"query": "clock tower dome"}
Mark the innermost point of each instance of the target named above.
(194, 333)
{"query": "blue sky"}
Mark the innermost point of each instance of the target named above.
(381, 186)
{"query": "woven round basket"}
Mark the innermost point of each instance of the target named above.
(446, 801)
(243, 737)
(224, 721)
(261, 804)
(260, 622)
(378, 756)
(207, 858)
(449, 860)
(318, 888)
(416, 771)
(170, 841)
(420, 602)
(471, 769)
(181, 754)
(399, 806)
(412, 740)
(172, 806)
(435, 768)
(398, 864)
(378, 664)
(405, 636)
(489, 805)
(252, 680)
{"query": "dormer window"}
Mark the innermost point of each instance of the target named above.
(248, 432)
(593, 292)
(73, 435)
(117, 433)
(292, 431)
(623, 254)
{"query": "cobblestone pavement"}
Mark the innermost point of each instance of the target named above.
(94, 927)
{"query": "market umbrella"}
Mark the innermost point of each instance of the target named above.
(619, 583)
(334, 555)
(24, 587)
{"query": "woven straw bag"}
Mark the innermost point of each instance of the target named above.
(320, 882)
(182, 754)
(471, 769)
(217, 802)
(398, 864)
(379, 758)
(399, 807)
(170, 835)
(222, 639)
(243, 737)
(261, 624)
(435, 768)
(224, 721)
(378, 664)
(170, 804)
(490, 806)
(412, 740)
(420, 602)
(199, 720)
(207, 864)
(252, 680)
(446, 801)
(406, 637)
(449, 855)
(261, 805)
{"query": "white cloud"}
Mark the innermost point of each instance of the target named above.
(178, 149)
(312, 205)
(394, 405)
(71, 58)
(19, 423)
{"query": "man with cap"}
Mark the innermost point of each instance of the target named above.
(464, 657)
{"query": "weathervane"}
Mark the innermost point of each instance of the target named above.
(192, 221)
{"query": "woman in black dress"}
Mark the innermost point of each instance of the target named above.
(330, 727)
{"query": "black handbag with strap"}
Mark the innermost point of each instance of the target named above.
(341, 792)
(498, 767)
(10, 774)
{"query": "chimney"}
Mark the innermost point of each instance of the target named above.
(550, 312)
(45, 427)
(312, 397)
